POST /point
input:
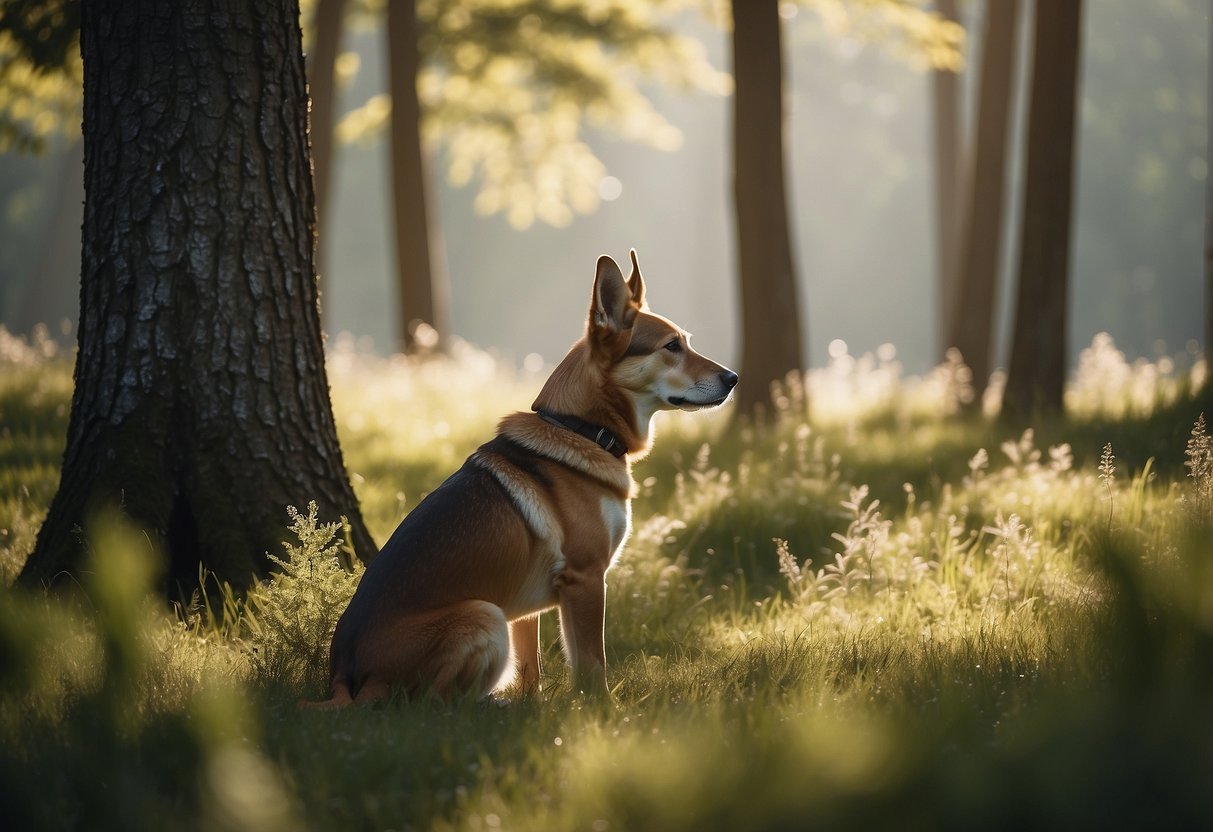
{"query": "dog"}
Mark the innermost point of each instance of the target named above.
(533, 520)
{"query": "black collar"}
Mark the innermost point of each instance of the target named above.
(606, 440)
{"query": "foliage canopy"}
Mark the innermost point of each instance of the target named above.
(40, 72)
(508, 86)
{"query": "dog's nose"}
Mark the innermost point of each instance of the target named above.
(729, 379)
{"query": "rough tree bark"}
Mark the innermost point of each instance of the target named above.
(970, 328)
(770, 311)
(420, 271)
(1037, 372)
(945, 118)
(201, 404)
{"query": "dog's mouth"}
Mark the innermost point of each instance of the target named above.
(685, 403)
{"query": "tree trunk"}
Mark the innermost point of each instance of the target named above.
(201, 403)
(1036, 377)
(420, 273)
(329, 24)
(770, 312)
(970, 329)
(50, 289)
(945, 113)
(1209, 217)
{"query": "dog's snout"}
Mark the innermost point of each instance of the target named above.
(728, 378)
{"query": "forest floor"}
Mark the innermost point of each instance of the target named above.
(876, 615)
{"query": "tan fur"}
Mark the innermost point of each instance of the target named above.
(532, 520)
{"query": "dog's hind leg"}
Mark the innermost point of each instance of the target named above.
(474, 650)
(460, 649)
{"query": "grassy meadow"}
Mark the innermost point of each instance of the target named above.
(879, 617)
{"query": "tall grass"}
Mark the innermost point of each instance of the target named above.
(882, 618)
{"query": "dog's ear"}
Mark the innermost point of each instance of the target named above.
(614, 305)
(636, 282)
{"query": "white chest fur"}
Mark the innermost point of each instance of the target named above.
(617, 517)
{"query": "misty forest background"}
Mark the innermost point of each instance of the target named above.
(861, 182)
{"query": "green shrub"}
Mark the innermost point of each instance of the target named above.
(290, 619)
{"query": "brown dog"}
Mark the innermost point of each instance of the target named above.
(532, 520)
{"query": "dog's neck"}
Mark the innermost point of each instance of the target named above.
(537, 434)
(579, 388)
(598, 434)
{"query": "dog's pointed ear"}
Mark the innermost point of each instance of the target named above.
(636, 282)
(612, 307)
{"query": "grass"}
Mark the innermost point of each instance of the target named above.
(890, 619)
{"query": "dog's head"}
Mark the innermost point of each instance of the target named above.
(647, 355)
(630, 364)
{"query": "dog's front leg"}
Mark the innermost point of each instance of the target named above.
(582, 611)
(524, 638)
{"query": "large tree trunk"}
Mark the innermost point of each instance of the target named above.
(420, 272)
(970, 328)
(201, 404)
(1036, 377)
(329, 25)
(770, 311)
(945, 112)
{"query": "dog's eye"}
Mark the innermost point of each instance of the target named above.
(674, 346)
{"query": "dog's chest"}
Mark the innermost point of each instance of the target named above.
(538, 590)
(617, 519)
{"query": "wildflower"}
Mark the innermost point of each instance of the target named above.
(1107, 468)
(788, 567)
(978, 464)
(1200, 468)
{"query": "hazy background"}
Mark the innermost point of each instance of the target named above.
(862, 207)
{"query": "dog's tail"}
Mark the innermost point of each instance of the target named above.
(343, 684)
(339, 697)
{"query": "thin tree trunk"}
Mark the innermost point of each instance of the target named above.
(420, 273)
(201, 404)
(945, 112)
(770, 310)
(971, 326)
(60, 259)
(1209, 215)
(329, 25)
(1037, 373)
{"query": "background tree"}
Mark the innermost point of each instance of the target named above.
(772, 334)
(58, 261)
(40, 76)
(949, 153)
(970, 327)
(1208, 351)
(1037, 372)
(505, 89)
(421, 279)
(328, 25)
(770, 307)
(201, 405)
